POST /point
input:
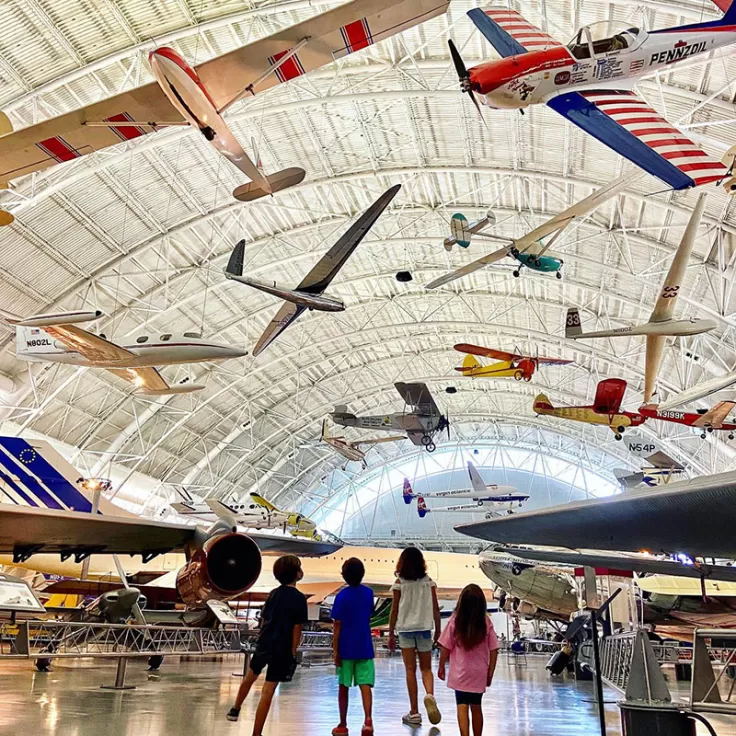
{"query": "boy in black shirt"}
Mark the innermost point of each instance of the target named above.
(282, 617)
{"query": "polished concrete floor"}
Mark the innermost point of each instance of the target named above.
(192, 697)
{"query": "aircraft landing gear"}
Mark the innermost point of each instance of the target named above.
(431, 447)
(730, 436)
(517, 273)
(618, 437)
(518, 375)
(559, 274)
(426, 440)
(208, 133)
(702, 436)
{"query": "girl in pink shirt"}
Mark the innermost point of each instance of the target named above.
(470, 644)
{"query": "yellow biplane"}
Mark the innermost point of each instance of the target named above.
(510, 365)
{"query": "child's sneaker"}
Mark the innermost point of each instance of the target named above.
(412, 719)
(233, 713)
(433, 712)
(340, 731)
(367, 729)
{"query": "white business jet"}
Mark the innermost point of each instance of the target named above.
(57, 338)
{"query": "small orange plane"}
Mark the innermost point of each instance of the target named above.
(510, 365)
(605, 409)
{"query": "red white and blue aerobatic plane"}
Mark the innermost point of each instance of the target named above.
(590, 82)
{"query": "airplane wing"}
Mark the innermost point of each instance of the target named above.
(326, 37)
(320, 277)
(25, 530)
(630, 563)
(464, 347)
(662, 460)
(148, 380)
(555, 224)
(609, 395)
(69, 137)
(552, 361)
(693, 517)
(94, 348)
(667, 300)
(284, 317)
(716, 416)
(418, 396)
(509, 32)
(624, 122)
(329, 36)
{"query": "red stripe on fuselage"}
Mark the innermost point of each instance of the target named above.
(357, 35)
(707, 180)
(494, 74)
(171, 55)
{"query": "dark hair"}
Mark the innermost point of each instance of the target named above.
(471, 619)
(286, 569)
(353, 571)
(411, 564)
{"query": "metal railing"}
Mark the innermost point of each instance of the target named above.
(710, 668)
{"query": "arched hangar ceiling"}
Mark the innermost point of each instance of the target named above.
(143, 230)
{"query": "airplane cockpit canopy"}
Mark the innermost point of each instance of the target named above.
(605, 37)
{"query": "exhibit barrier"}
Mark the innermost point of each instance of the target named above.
(710, 668)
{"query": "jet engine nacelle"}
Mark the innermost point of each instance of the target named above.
(224, 567)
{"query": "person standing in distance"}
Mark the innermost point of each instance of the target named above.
(284, 613)
(352, 644)
(414, 613)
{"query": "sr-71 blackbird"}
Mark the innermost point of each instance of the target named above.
(199, 96)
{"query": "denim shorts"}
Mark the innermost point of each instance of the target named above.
(419, 640)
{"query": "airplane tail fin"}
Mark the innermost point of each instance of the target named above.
(262, 502)
(422, 509)
(729, 17)
(324, 429)
(475, 479)
(33, 473)
(542, 405)
(408, 493)
(573, 327)
(235, 264)
(280, 180)
(470, 364)
(460, 230)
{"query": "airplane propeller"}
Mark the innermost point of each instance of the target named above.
(464, 77)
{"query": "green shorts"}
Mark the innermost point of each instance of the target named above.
(356, 672)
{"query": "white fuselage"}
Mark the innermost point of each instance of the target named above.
(34, 344)
(557, 72)
(666, 328)
(348, 451)
(181, 84)
(493, 494)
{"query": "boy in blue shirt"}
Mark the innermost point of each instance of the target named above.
(352, 644)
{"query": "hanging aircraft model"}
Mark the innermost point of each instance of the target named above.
(350, 449)
(421, 423)
(258, 514)
(530, 250)
(199, 96)
(462, 231)
(516, 365)
(605, 409)
(481, 493)
(660, 323)
(589, 82)
(309, 293)
(477, 507)
(708, 421)
(57, 338)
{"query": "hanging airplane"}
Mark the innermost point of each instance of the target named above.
(660, 323)
(605, 409)
(462, 231)
(490, 494)
(516, 365)
(421, 424)
(258, 514)
(309, 293)
(707, 421)
(589, 82)
(477, 507)
(199, 96)
(57, 338)
(350, 449)
(530, 250)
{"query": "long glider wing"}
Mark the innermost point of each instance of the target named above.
(284, 317)
(625, 123)
(716, 416)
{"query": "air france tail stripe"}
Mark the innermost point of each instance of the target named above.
(41, 495)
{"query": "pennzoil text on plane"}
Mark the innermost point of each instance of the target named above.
(589, 82)
(199, 96)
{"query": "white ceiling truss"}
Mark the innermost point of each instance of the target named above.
(143, 230)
